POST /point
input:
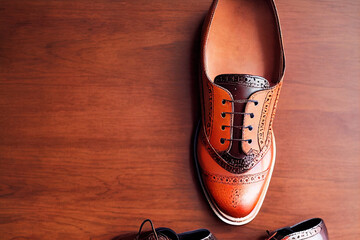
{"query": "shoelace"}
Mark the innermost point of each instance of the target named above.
(223, 114)
(272, 237)
(152, 227)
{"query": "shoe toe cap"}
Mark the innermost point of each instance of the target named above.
(235, 196)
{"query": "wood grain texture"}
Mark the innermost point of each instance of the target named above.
(98, 103)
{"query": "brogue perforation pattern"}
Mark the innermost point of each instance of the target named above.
(243, 80)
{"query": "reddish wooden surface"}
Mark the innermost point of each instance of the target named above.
(98, 103)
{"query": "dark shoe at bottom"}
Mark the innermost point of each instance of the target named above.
(168, 234)
(311, 229)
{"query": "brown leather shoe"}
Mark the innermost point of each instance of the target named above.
(312, 229)
(242, 69)
(168, 234)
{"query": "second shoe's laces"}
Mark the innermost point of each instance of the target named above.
(152, 228)
(223, 114)
(272, 237)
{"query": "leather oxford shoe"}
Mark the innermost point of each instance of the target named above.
(168, 234)
(242, 67)
(312, 229)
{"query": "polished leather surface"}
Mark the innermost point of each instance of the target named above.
(235, 174)
(312, 229)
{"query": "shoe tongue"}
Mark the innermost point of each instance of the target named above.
(241, 86)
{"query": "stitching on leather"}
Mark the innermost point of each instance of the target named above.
(236, 180)
(264, 114)
(272, 117)
(306, 233)
(235, 195)
(243, 80)
(210, 124)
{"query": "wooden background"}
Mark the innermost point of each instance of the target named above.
(98, 103)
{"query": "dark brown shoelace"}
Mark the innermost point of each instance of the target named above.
(223, 114)
(152, 227)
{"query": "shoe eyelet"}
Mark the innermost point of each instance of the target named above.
(223, 101)
(223, 115)
(223, 127)
(222, 140)
(250, 128)
(249, 141)
(256, 103)
(252, 115)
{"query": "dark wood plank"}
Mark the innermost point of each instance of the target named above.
(98, 103)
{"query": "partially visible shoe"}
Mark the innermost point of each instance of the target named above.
(168, 234)
(312, 229)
